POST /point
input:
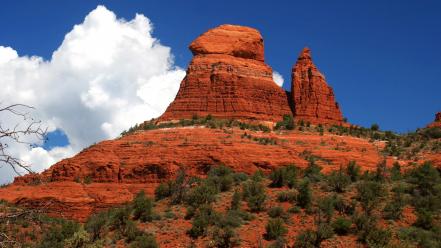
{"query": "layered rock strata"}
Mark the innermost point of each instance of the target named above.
(312, 98)
(228, 78)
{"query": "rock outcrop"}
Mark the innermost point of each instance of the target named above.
(312, 97)
(228, 78)
(111, 172)
(437, 122)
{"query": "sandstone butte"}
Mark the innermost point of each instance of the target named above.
(437, 122)
(228, 78)
(312, 97)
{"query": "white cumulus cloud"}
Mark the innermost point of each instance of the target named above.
(107, 75)
(278, 78)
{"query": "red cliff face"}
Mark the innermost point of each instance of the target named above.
(437, 122)
(228, 78)
(312, 97)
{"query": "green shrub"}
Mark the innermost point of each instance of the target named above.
(57, 234)
(204, 217)
(286, 196)
(142, 207)
(163, 191)
(395, 172)
(394, 208)
(236, 201)
(287, 123)
(378, 238)
(369, 193)
(222, 177)
(310, 238)
(95, 224)
(327, 206)
(275, 228)
(338, 181)
(364, 225)
(144, 241)
(432, 133)
(201, 194)
(277, 212)
(258, 176)
(131, 231)
(225, 238)
(304, 198)
(341, 225)
(118, 218)
(313, 171)
(305, 239)
(381, 172)
(277, 178)
(424, 219)
(353, 171)
(294, 210)
(284, 176)
(375, 127)
(254, 193)
(88, 179)
(239, 177)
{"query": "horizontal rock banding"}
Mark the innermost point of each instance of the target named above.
(312, 97)
(227, 78)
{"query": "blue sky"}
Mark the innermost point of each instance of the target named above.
(381, 57)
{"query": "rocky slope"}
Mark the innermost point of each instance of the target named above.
(312, 97)
(228, 78)
(111, 172)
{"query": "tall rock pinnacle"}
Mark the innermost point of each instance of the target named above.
(228, 78)
(312, 97)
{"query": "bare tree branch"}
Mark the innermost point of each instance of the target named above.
(20, 133)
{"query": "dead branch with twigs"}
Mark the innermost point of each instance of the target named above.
(20, 133)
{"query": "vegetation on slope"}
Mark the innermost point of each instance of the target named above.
(374, 207)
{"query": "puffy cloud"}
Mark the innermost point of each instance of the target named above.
(278, 78)
(107, 75)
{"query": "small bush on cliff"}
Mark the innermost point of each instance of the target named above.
(222, 177)
(225, 237)
(313, 171)
(96, 224)
(201, 194)
(369, 193)
(287, 123)
(353, 171)
(341, 225)
(204, 217)
(57, 234)
(144, 241)
(338, 181)
(285, 176)
(304, 197)
(163, 191)
(254, 193)
(143, 208)
(275, 228)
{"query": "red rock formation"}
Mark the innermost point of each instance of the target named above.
(119, 168)
(228, 78)
(312, 97)
(437, 122)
